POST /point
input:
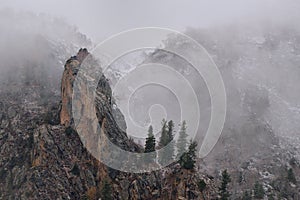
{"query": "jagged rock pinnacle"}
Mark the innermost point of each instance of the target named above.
(69, 74)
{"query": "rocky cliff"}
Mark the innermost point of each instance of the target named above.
(43, 157)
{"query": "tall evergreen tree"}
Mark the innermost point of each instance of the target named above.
(188, 159)
(223, 190)
(166, 141)
(259, 191)
(171, 142)
(182, 140)
(150, 145)
(163, 140)
(170, 130)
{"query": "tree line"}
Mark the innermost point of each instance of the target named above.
(181, 149)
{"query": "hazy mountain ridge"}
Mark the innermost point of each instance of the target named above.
(260, 68)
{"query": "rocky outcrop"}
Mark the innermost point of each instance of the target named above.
(184, 184)
(42, 156)
(40, 159)
(172, 183)
(92, 111)
(69, 74)
(155, 185)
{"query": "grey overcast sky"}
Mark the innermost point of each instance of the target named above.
(99, 19)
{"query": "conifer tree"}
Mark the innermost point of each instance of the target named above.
(166, 141)
(170, 130)
(150, 145)
(171, 142)
(163, 140)
(182, 140)
(188, 159)
(259, 191)
(202, 186)
(223, 190)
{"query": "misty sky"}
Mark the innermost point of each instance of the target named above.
(99, 19)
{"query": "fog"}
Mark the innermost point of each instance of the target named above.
(256, 45)
(34, 48)
(100, 19)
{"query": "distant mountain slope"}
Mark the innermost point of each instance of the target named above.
(260, 68)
